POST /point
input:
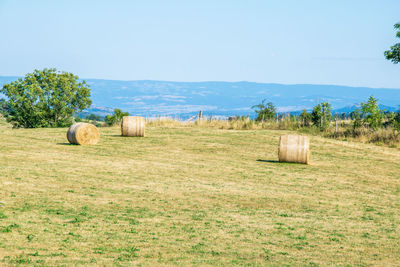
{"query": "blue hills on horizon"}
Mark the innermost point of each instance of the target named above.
(184, 99)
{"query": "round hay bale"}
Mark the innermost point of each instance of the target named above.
(132, 126)
(83, 134)
(294, 148)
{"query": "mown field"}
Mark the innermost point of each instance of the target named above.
(195, 196)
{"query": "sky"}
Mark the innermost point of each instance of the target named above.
(287, 41)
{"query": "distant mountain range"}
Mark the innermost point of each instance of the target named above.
(184, 99)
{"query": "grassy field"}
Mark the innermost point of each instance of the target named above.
(195, 196)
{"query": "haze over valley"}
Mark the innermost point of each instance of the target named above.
(184, 99)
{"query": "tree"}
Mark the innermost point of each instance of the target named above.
(316, 115)
(265, 111)
(305, 118)
(46, 98)
(371, 113)
(393, 54)
(321, 115)
(5, 107)
(116, 117)
(397, 117)
(94, 117)
(357, 122)
(396, 121)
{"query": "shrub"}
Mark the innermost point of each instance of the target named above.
(116, 117)
(373, 116)
(321, 115)
(305, 118)
(265, 111)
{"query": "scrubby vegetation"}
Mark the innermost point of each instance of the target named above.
(369, 124)
(265, 111)
(116, 117)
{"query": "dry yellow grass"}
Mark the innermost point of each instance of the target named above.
(195, 196)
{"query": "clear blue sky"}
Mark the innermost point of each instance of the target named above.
(285, 41)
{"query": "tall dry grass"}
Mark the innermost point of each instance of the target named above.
(383, 136)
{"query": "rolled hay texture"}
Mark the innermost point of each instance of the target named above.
(83, 134)
(294, 148)
(133, 126)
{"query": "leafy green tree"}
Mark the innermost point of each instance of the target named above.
(390, 119)
(393, 54)
(321, 115)
(94, 117)
(265, 111)
(46, 98)
(78, 119)
(305, 118)
(396, 121)
(357, 122)
(343, 116)
(5, 107)
(397, 116)
(316, 115)
(116, 117)
(373, 116)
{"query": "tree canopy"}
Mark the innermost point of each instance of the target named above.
(373, 116)
(46, 98)
(393, 54)
(305, 118)
(321, 115)
(265, 111)
(116, 117)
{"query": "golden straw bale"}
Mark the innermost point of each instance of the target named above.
(133, 126)
(294, 148)
(83, 134)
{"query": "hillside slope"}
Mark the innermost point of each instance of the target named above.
(195, 196)
(184, 99)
